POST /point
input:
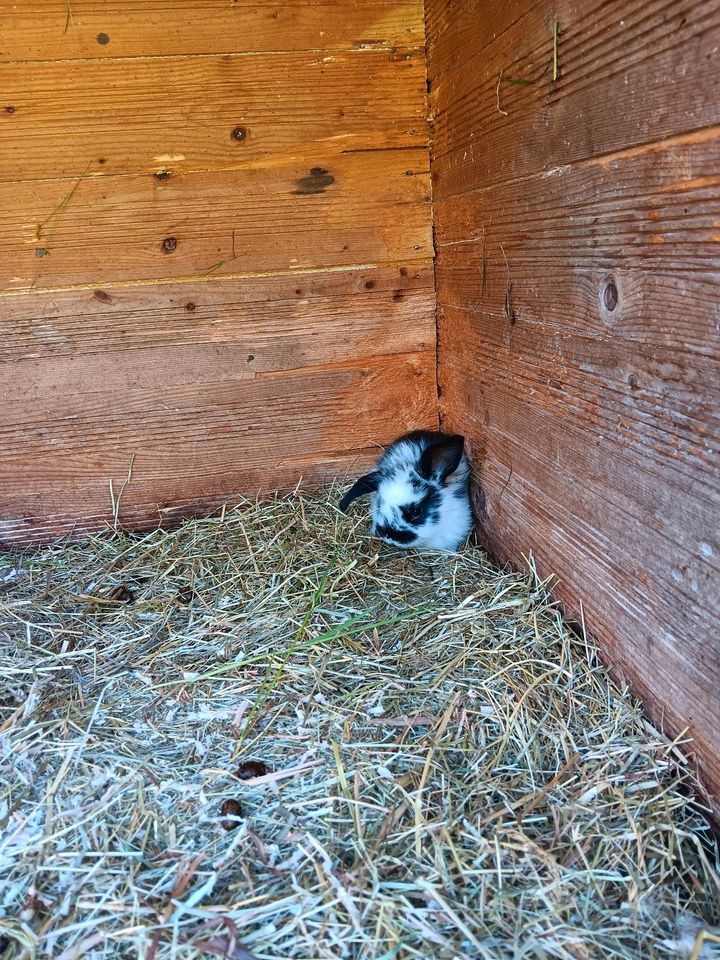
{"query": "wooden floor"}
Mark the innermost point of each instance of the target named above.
(576, 161)
(215, 251)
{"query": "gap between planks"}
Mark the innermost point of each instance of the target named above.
(331, 54)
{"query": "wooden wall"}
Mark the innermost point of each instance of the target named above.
(215, 250)
(577, 226)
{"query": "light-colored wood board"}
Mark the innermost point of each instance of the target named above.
(623, 80)
(169, 115)
(201, 440)
(287, 319)
(44, 519)
(363, 208)
(40, 29)
(174, 347)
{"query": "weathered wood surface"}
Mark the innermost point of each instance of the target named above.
(210, 386)
(624, 80)
(215, 248)
(41, 29)
(303, 214)
(177, 114)
(198, 438)
(287, 318)
(577, 279)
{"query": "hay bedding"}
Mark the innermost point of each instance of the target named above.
(443, 769)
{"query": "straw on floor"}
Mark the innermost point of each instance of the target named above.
(267, 735)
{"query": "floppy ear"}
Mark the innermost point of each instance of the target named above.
(361, 487)
(442, 458)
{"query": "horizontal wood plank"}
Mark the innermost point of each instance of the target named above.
(624, 79)
(169, 115)
(352, 209)
(59, 346)
(287, 319)
(199, 440)
(657, 207)
(42, 29)
(33, 529)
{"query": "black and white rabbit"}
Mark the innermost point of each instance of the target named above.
(419, 492)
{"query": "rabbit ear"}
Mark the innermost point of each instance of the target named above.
(361, 487)
(442, 458)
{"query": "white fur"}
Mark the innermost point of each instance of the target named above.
(395, 490)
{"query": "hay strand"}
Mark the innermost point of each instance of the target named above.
(430, 763)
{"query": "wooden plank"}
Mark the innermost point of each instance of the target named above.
(665, 438)
(578, 347)
(612, 92)
(199, 441)
(352, 209)
(655, 206)
(282, 320)
(40, 29)
(457, 32)
(75, 343)
(176, 114)
(33, 527)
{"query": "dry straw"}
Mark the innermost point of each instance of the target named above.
(441, 768)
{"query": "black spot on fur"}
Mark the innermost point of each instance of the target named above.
(417, 512)
(398, 536)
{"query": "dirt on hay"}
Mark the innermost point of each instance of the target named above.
(266, 735)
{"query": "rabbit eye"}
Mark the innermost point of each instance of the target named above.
(411, 513)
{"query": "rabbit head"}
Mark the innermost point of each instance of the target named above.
(419, 492)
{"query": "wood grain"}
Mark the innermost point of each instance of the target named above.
(40, 30)
(457, 32)
(216, 252)
(197, 438)
(164, 338)
(288, 319)
(215, 387)
(577, 237)
(178, 114)
(623, 80)
(262, 218)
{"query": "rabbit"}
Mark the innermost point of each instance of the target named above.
(419, 490)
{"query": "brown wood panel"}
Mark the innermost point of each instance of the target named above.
(655, 207)
(577, 282)
(167, 115)
(76, 343)
(457, 32)
(349, 209)
(216, 251)
(283, 320)
(197, 439)
(625, 77)
(40, 29)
